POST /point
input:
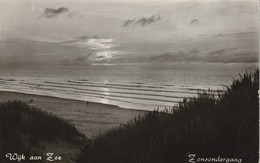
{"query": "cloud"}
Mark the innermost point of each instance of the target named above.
(92, 42)
(194, 56)
(128, 22)
(142, 21)
(98, 49)
(50, 12)
(145, 21)
(195, 50)
(88, 37)
(194, 21)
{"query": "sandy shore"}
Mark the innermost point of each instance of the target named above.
(89, 118)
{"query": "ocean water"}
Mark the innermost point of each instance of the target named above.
(141, 87)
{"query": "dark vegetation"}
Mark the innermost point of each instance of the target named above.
(23, 129)
(210, 126)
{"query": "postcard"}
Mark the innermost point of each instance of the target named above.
(129, 81)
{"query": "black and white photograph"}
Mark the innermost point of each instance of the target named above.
(129, 81)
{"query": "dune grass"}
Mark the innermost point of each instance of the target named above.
(210, 126)
(23, 128)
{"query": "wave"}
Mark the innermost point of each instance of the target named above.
(145, 96)
(113, 91)
(127, 87)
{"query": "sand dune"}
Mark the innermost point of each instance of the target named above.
(89, 118)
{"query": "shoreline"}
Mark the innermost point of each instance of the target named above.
(90, 118)
(49, 96)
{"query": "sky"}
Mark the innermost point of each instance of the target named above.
(63, 32)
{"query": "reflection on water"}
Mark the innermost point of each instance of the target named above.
(137, 87)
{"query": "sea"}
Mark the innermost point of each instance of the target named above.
(130, 86)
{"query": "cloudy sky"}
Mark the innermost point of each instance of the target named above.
(128, 31)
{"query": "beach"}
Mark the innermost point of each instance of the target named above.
(88, 117)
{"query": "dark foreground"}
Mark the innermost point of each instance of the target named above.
(210, 127)
(29, 131)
